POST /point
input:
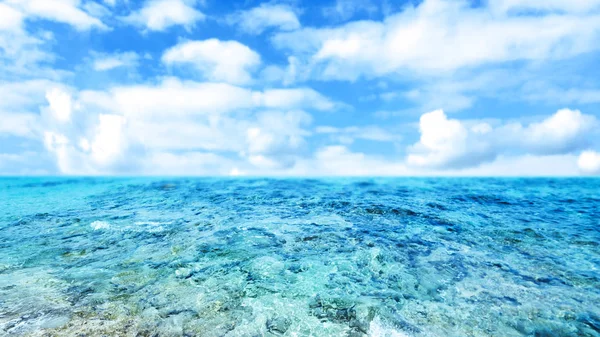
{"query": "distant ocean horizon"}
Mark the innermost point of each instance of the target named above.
(292, 256)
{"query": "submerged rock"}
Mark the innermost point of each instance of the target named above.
(278, 325)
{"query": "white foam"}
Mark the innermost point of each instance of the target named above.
(96, 225)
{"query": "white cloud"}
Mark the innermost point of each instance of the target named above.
(259, 19)
(24, 95)
(173, 97)
(158, 15)
(445, 142)
(19, 103)
(18, 124)
(524, 6)
(109, 141)
(440, 36)
(264, 162)
(24, 163)
(562, 132)
(101, 154)
(589, 162)
(527, 165)
(65, 11)
(26, 52)
(348, 135)
(448, 143)
(188, 163)
(97, 10)
(10, 18)
(564, 96)
(345, 9)
(190, 133)
(58, 145)
(104, 62)
(340, 161)
(293, 99)
(285, 76)
(228, 61)
(174, 136)
(277, 132)
(20, 52)
(60, 104)
(128, 126)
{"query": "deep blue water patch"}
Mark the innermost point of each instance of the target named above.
(299, 257)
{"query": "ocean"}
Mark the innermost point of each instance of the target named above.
(299, 257)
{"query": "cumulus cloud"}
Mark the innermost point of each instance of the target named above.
(23, 96)
(19, 104)
(10, 18)
(199, 98)
(589, 162)
(228, 61)
(25, 53)
(128, 126)
(58, 145)
(60, 104)
(562, 132)
(453, 143)
(440, 36)
(173, 97)
(64, 11)
(265, 16)
(448, 142)
(250, 136)
(274, 139)
(104, 62)
(158, 15)
(100, 154)
(109, 141)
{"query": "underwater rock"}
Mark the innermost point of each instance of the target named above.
(354, 333)
(345, 314)
(278, 325)
(333, 309)
(297, 268)
(361, 325)
(78, 293)
(396, 319)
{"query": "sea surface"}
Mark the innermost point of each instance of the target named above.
(294, 257)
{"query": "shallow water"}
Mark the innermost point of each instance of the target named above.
(339, 257)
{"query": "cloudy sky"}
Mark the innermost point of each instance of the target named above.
(300, 87)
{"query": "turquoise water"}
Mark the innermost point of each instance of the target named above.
(260, 257)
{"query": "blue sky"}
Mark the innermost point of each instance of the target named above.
(299, 88)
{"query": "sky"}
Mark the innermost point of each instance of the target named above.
(300, 87)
